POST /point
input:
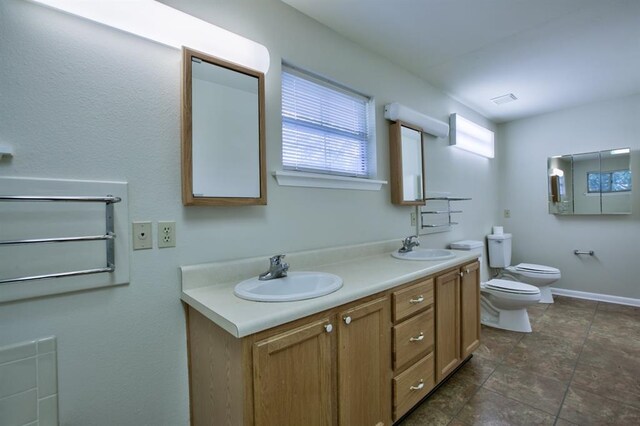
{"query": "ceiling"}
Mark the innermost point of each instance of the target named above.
(551, 54)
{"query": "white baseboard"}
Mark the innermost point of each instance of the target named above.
(596, 296)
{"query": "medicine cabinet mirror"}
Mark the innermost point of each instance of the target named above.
(223, 138)
(407, 166)
(590, 183)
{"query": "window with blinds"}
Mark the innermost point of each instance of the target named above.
(326, 128)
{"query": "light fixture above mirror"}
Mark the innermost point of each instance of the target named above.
(472, 137)
(163, 24)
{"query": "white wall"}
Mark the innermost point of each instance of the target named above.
(540, 237)
(82, 101)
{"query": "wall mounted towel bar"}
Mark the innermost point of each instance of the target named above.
(579, 252)
(108, 236)
(447, 212)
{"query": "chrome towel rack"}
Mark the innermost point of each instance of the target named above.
(579, 252)
(108, 236)
(448, 211)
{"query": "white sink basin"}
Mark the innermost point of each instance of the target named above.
(295, 286)
(425, 254)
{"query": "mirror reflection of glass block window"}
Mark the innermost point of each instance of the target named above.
(615, 181)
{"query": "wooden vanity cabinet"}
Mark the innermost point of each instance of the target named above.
(292, 376)
(457, 317)
(469, 308)
(413, 345)
(366, 363)
(326, 369)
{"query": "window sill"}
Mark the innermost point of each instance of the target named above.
(317, 180)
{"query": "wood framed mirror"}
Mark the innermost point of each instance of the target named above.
(223, 133)
(407, 164)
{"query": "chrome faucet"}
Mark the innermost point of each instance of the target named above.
(277, 268)
(408, 244)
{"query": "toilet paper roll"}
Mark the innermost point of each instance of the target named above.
(498, 230)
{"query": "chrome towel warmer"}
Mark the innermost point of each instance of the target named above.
(108, 237)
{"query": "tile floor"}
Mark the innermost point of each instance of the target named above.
(579, 366)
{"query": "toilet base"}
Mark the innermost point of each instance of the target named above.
(545, 294)
(512, 320)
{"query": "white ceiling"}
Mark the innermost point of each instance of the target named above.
(551, 54)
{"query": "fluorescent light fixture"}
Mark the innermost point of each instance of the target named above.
(395, 112)
(620, 151)
(557, 156)
(467, 135)
(163, 24)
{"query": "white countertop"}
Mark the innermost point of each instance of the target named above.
(365, 270)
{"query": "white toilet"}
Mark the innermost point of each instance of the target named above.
(503, 303)
(540, 276)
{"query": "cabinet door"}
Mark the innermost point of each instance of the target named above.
(364, 365)
(447, 323)
(470, 308)
(292, 377)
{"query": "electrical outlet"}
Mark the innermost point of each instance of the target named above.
(507, 213)
(142, 236)
(413, 218)
(166, 234)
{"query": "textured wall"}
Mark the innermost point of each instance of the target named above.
(82, 101)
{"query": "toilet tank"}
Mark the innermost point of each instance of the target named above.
(499, 250)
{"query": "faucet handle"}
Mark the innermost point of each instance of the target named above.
(276, 260)
(409, 240)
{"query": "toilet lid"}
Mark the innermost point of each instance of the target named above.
(532, 267)
(512, 286)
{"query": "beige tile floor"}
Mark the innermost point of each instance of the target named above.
(579, 366)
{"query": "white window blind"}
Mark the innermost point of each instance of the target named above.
(325, 127)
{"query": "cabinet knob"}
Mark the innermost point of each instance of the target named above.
(419, 299)
(420, 386)
(467, 271)
(418, 338)
(328, 328)
(347, 320)
(461, 274)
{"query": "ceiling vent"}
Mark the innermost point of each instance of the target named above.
(504, 99)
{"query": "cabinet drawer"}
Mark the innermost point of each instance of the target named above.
(412, 299)
(413, 337)
(412, 385)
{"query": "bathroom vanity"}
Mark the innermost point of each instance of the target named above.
(363, 355)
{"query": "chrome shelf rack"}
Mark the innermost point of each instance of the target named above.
(108, 236)
(448, 212)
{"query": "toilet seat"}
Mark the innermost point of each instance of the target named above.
(532, 270)
(512, 287)
(532, 267)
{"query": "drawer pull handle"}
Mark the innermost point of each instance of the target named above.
(420, 386)
(328, 328)
(420, 299)
(418, 338)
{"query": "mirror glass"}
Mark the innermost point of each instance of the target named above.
(407, 164)
(590, 183)
(223, 132)
(615, 181)
(560, 185)
(411, 164)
